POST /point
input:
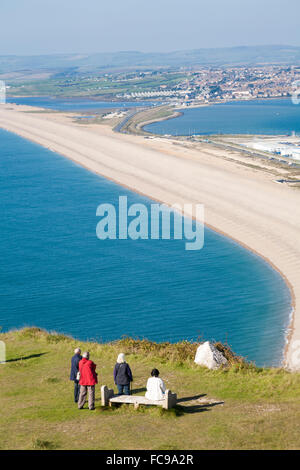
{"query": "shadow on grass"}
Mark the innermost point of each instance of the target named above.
(194, 407)
(24, 358)
(190, 409)
(195, 397)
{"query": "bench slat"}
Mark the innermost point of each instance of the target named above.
(131, 399)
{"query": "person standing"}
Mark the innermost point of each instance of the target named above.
(88, 380)
(74, 375)
(122, 375)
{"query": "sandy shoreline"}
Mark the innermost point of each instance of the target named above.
(240, 202)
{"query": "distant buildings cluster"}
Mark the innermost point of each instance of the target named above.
(222, 84)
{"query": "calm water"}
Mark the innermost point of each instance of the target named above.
(72, 104)
(56, 274)
(245, 117)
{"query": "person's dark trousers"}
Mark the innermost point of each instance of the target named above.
(76, 390)
(124, 389)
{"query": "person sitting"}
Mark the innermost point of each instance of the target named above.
(88, 380)
(122, 375)
(155, 387)
(74, 375)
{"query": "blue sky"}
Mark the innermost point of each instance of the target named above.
(58, 26)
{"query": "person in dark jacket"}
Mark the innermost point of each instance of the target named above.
(122, 375)
(74, 375)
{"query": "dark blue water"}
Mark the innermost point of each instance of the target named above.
(270, 117)
(72, 104)
(55, 273)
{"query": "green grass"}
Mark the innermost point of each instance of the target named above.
(260, 410)
(104, 87)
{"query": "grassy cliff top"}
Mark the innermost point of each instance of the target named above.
(260, 410)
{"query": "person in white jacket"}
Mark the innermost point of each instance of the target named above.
(155, 387)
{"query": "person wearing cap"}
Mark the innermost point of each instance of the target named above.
(88, 380)
(122, 375)
(74, 375)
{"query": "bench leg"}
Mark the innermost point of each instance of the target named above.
(170, 400)
(106, 394)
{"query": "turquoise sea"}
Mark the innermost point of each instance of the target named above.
(55, 273)
(269, 117)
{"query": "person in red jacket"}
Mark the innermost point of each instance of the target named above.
(88, 380)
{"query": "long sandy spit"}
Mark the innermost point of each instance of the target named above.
(241, 202)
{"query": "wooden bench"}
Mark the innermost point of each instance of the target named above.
(108, 398)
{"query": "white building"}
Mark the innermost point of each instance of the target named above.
(282, 148)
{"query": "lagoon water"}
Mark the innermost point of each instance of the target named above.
(56, 274)
(74, 104)
(269, 117)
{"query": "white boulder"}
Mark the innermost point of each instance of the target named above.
(208, 355)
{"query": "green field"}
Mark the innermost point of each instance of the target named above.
(260, 410)
(99, 87)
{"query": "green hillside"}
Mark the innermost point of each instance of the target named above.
(241, 407)
(242, 55)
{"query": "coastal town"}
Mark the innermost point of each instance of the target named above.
(223, 84)
(179, 86)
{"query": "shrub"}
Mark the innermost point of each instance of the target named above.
(181, 352)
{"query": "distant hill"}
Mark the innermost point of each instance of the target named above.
(244, 55)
